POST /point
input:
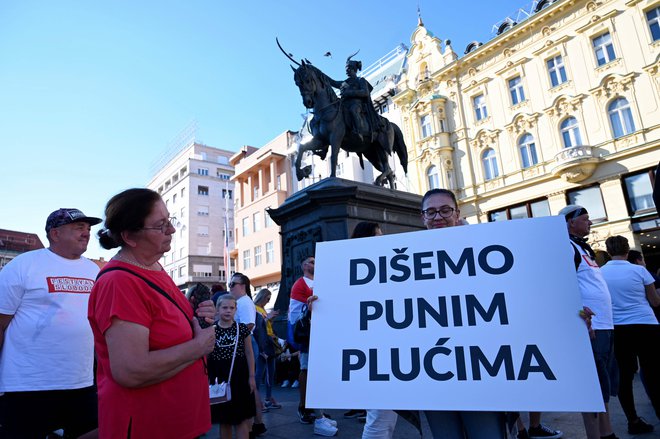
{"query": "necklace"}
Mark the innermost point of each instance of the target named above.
(121, 257)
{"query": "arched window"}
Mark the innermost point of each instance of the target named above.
(527, 150)
(433, 177)
(489, 161)
(570, 132)
(621, 118)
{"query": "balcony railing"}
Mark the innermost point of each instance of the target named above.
(575, 163)
(573, 154)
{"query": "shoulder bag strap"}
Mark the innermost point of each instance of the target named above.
(231, 369)
(152, 285)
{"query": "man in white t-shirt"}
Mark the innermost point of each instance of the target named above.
(596, 298)
(46, 343)
(246, 313)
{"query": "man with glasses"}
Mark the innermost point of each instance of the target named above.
(46, 343)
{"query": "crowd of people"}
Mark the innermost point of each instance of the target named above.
(155, 355)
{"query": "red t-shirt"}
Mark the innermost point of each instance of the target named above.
(177, 407)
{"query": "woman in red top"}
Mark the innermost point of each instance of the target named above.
(151, 374)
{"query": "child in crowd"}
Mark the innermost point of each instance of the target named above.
(287, 368)
(240, 410)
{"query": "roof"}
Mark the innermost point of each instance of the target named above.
(19, 242)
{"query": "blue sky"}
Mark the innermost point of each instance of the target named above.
(92, 93)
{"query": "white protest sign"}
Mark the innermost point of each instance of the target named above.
(480, 317)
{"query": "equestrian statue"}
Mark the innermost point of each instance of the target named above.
(350, 123)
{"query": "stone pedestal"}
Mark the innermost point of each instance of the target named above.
(329, 210)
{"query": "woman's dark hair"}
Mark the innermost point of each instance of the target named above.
(365, 229)
(617, 245)
(634, 256)
(246, 282)
(432, 192)
(126, 211)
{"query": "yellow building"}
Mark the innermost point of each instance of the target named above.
(559, 108)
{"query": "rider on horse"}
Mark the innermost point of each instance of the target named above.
(356, 101)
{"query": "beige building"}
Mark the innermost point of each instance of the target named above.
(263, 180)
(559, 108)
(195, 184)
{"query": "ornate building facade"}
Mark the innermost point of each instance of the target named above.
(559, 108)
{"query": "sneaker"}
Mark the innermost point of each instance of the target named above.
(323, 428)
(286, 383)
(639, 427)
(330, 420)
(354, 413)
(305, 416)
(272, 405)
(522, 434)
(258, 429)
(543, 432)
(295, 384)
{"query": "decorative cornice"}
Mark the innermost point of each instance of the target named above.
(551, 44)
(613, 85)
(485, 138)
(596, 19)
(564, 105)
(522, 123)
(511, 65)
(474, 84)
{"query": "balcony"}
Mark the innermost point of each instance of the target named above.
(575, 164)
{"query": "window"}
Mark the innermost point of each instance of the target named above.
(256, 221)
(203, 171)
(270, 252)
(246, 259)
(639, 191)
(183, 214)
(653, 19)
(257, 256)
(527, 151)
(603, 49)
(182, 252)
(203, 210)
(202, 230)
(182, 271)
(592, 200)
(489, 161)
(556, 70)
(516, 90)
(479, 104)
(221, 175)
(427, 129)
(202, 270)
(268, 221)
(433, 177)
(621, 118)
(570, 133)
(226, 193)
(246, 228)
(203, 191)
(255, 192)
(183, 192)
(203, 250)
(531, 209)
(174, 199)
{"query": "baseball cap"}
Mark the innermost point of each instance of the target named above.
(65, 216)
(572, 211)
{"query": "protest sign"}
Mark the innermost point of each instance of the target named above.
(480, 317)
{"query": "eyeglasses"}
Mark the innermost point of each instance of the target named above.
(231, 284)
(444, 212)
(164, 226)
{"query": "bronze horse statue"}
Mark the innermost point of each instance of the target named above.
(329, 127)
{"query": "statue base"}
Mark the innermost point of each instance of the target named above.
(329, 210)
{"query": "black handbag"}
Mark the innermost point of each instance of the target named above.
(301, 328)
